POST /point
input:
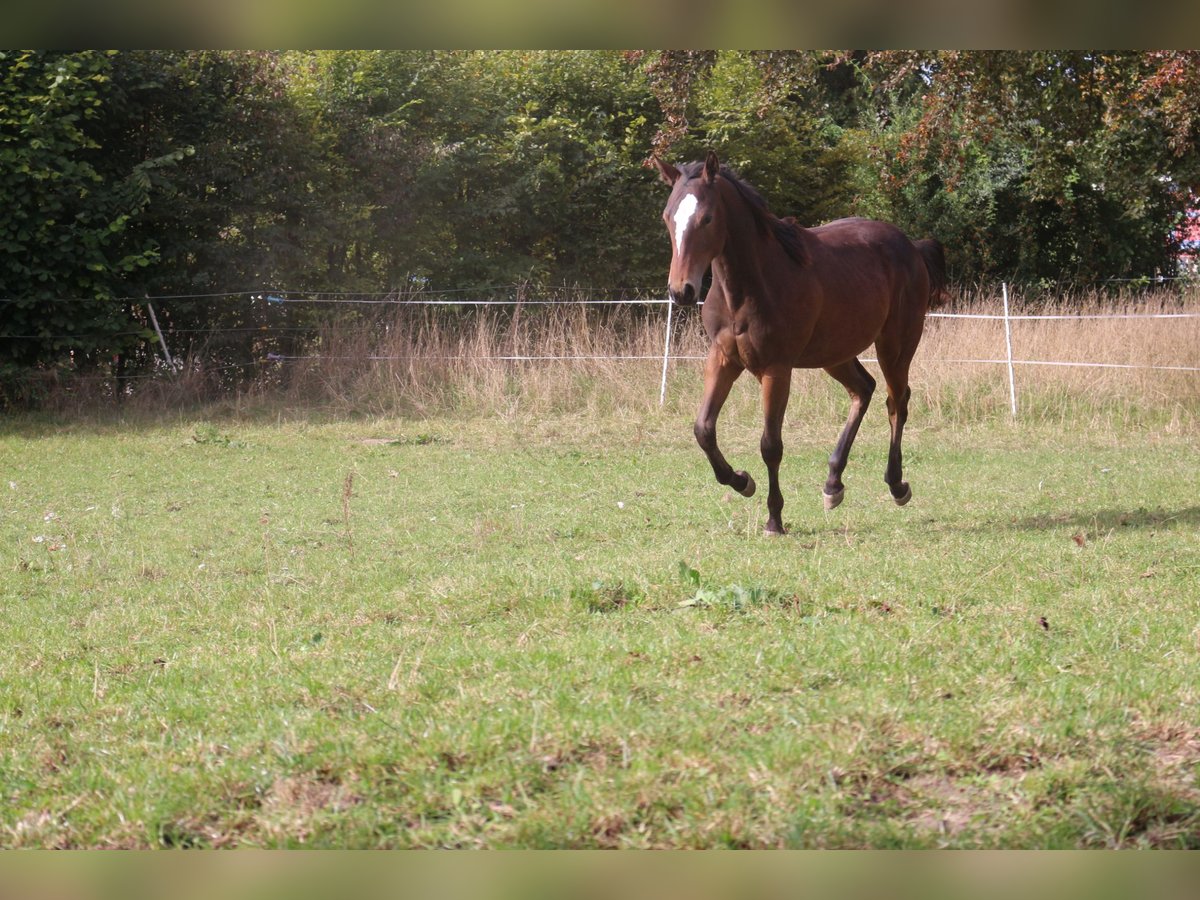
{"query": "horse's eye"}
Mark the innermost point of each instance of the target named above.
(706, 220)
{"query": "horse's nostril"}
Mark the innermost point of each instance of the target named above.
(685, 297)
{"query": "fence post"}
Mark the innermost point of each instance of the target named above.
(161, 340)
(1012, 384)
(662, 393)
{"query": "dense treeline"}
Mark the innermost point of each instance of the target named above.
(126, 175)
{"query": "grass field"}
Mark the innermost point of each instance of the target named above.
(547, 626)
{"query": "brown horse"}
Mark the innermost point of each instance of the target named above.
(785, 297)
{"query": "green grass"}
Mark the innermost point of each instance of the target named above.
(562, 632)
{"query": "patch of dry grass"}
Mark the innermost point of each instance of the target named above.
(1086, 353)
(544, 360)
(538, 360)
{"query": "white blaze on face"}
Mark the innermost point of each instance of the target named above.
(683, 218)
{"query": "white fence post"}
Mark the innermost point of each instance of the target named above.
(1012, 384)
(161, 340)
(662, 392)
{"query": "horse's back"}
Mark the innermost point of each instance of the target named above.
(860, 232)
(880, 251)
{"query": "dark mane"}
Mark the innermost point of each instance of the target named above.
(786, 231)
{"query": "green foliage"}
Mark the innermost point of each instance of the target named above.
(63, 213)
(489, 169)
(149, 173)
(601, 596)
(208, 433)
(1030, 166)
(245, 210)
(792, 155)
(1061, 166)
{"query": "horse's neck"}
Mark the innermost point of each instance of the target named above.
(739, 266)
(746, 255)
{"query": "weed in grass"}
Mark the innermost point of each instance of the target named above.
(730, 597)
(603, 596)
(347, 495)
(207, 433)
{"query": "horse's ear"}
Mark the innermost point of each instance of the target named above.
(666, 171)
(712, 167)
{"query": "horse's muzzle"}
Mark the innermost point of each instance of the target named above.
(685, 297)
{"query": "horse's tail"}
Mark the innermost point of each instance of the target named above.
(934, 255)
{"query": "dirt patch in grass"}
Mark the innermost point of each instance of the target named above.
(293, 802)
(1175, 760)
(596, 754)
(1175, 754)
(948, 806)
(607, 829)
(936, 795)
(39, 828)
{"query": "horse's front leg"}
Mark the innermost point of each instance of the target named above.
(776, 387)
(720, 373)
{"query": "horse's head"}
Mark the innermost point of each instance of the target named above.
(695, 221)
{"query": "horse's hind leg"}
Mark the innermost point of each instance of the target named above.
(776, 386)
(719, 375)
(860, 385)
(895, 373)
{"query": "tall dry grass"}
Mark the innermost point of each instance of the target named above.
(545, 360)
(1095, 370)
(606, 360)
(531, 360)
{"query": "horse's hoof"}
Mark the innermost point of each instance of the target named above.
(772, 533)
(832, 501)
(905, 497)
(748, 490)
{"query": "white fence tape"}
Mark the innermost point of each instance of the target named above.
(1007, 317)
(445, 298)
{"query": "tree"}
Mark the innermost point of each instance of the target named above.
(1050, 166)
(483, 169)
(248, 209)
(1035, 165)
(757, 112)
(64, 214)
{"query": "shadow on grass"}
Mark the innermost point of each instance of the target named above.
(1109, 519)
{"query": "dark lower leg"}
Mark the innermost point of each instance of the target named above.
(775, 388)
(719, 376)
(894, 475)
(860, 386)
(706, 437)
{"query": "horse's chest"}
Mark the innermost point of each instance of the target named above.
(750, 352)
(743, 348)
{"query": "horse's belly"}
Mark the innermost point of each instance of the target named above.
(830, 346)
(824, 355)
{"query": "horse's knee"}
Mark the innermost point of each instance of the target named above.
(772, 449)
(897, 404)
(706, 435)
